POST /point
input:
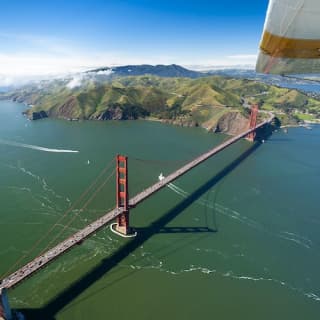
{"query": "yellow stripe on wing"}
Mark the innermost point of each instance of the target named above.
(282, 47)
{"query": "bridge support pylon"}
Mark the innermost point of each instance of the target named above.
(253, 122)
(5, 311)
(122, 226)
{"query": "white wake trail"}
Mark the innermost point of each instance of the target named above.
(39, 148)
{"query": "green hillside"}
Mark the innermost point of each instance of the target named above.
(183, 101)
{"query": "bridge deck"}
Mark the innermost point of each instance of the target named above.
(42, 260)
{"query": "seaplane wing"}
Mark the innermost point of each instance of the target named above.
(290, 42)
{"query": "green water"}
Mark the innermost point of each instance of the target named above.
(233, 239)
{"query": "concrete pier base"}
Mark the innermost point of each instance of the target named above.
(122, 231)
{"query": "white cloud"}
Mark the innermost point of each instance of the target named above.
(26, 66)
(236, 61)
(105, 72)
(5, 81)
(35, 57)
(76, 81)
(40, 64)
(24, 56)
(243, 57)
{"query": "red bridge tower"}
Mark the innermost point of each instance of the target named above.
(253, 122)
(122, 197)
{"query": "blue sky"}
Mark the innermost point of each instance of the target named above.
(38, 37)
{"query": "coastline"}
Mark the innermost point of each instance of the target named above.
(305, 125)
(153, 119)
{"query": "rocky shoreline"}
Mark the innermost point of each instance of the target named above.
(231, 123)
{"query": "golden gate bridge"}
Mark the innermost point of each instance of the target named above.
(121, 212)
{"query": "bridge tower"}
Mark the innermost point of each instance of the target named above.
(122, 196)
(253, 122)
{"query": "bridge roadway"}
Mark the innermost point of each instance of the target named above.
(44, 259)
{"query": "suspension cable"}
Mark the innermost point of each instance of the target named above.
(78, 213)
(40, 240)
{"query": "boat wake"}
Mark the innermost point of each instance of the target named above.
(49, 199)
(300, 240)
(228, 274)
(33, 147)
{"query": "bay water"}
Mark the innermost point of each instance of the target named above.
(235, 238)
